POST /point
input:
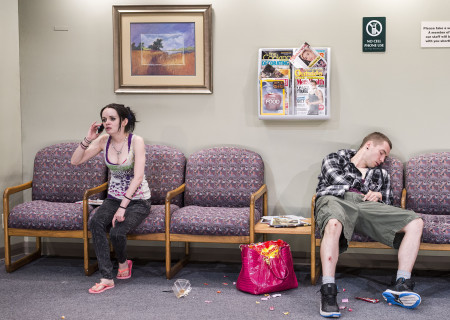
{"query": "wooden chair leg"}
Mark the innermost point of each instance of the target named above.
(168, 259)
(12, 266)
(172, 271)
(7, 250)
(313, 262)
(89, 269)
(315, 267)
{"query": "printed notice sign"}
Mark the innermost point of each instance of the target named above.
(374, 34)
(435, 34)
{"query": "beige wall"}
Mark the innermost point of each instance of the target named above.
(68, 76)
(10, 128)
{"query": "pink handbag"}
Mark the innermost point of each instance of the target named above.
(266, 267)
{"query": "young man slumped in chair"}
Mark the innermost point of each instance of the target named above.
(355, 194)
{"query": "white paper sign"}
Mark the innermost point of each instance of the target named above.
(435, 34)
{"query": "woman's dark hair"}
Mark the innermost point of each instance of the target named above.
(124, 113)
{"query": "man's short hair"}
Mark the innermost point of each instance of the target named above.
(377, 138)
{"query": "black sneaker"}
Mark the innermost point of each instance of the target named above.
(401, 294)
(328, 304)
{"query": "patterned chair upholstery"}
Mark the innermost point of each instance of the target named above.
(164, 170)
(427, 183)
(53, 211)
(222, 199)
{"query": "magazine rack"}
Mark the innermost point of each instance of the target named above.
(293, 84)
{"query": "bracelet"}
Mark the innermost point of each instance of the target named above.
(127, 198)
(122, 207)
(83, 146)
(87, 140)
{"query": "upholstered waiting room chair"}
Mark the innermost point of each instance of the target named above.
(221, 191)
(395, 169)
(164, 170)
(427, 184)
(53, 211)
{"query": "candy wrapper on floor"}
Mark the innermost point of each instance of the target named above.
(266, 267)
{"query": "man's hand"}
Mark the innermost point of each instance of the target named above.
(373, 196)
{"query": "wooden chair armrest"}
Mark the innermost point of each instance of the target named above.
(255, 196)
(173, 193)
(170, 195)
(403, 201)
(87, 194)
(95, 190)
(313, 220)
(9, 191)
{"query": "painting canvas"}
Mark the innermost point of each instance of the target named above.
(163, 49)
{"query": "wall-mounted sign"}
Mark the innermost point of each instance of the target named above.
(435, 34)
(374, 34)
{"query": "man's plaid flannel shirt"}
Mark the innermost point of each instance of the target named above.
(339, 174)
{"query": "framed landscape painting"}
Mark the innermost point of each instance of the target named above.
(162, 49)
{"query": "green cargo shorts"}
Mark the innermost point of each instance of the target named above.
(379, 221)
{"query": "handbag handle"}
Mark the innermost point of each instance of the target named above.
(285, 267)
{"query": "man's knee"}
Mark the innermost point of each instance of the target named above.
(415, 226)
(333, 227)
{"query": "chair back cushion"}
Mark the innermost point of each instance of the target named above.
(427, 183)
(395, 169)
(164, 170)
(55, 179)
(223, 177)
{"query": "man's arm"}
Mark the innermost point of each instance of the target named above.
(333, 171)
(381, 187)
(386, 188)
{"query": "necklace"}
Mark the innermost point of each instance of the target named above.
(121, 147)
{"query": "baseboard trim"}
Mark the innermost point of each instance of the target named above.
(156, 252)
(16, 249)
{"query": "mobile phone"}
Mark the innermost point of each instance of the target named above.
(100, 129)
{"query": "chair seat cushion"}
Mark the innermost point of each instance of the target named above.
(45, 215)
(436, 229)
(216, 221)
(153, 223)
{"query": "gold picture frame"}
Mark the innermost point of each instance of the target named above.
(162, 49)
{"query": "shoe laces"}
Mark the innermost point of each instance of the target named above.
(330, 299)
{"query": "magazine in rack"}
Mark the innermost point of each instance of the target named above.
(306, 82)
(310, 97)
(273, 96)
(274, 65)
(307, 57)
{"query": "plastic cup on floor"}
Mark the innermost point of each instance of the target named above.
(181, 288)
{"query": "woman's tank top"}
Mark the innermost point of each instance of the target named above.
(122, 174)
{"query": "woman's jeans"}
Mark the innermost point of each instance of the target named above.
(101, 222)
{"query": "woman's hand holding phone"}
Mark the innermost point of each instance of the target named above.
(95, 130)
